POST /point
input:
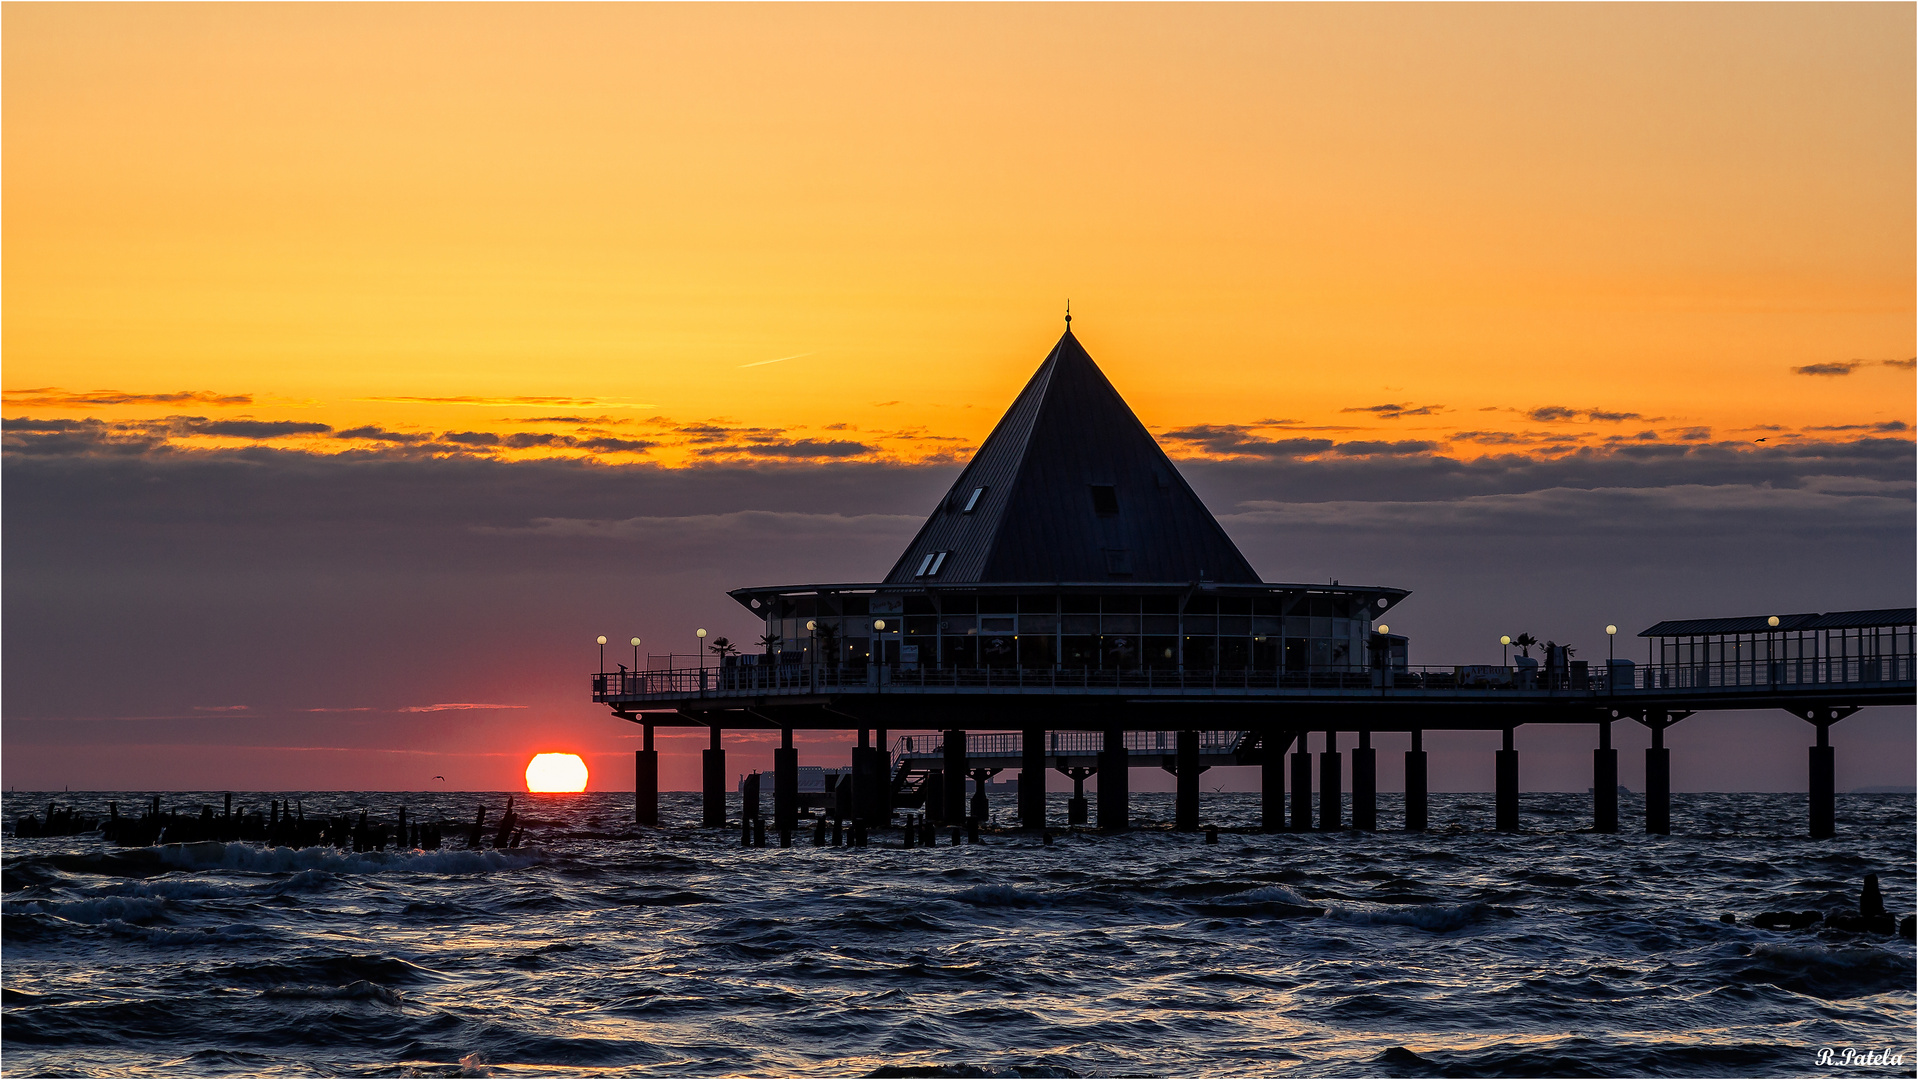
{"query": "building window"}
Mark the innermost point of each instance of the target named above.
(931, 564)
(972, 501)
(1105, 499)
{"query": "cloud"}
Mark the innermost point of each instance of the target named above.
(1406, 446)
(54, 397)
(1553, 413)
(510, 402)
(259, 429)
(379, 434)
(794, 448)
(1233, 439)
(1886, 426)
(693, 530)
(453, 706)
(1393, 411)
(615, 446)
(1835, 368)
(1908, 363)
(471, 438)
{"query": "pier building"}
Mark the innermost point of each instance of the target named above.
(1073, 597)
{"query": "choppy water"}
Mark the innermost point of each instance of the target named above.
(605, 948)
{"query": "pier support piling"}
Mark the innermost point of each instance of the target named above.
(981, 808)
(1032, 779)
(933, 787)
(646, 781)
(1114, 772)
(785, 784)
(1302, 788)
(1185, 811)
(1331, 785)
(1824, 786)
(1365, 785)
(1076, 806)
(882, 780)
(1605, 782)
(1505, 801)
(859, 794)
(1415, 802)
(713, 781)
(749, 797)
(954, 789)
(1658, 783)
(1272, 782)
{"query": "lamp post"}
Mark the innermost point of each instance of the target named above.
(1611, 638)
(878, 643)
(1506, 640)
(635, 654)
(602, 653)
(812, 651)
(699, 647)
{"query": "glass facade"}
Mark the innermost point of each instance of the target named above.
(1291, 629)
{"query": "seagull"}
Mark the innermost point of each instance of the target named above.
(1761, 440)
(440, 778)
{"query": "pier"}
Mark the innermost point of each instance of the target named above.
(1072, 606)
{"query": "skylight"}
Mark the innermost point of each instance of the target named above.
(973, 502)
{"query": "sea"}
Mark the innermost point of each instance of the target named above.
(600, 947)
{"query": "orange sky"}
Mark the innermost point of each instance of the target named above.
(1261, 213)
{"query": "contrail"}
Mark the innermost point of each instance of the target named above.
(763, 363)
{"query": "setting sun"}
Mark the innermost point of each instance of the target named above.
(556, 772)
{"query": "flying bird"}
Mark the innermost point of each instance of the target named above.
(441, 778)
(1761, 440)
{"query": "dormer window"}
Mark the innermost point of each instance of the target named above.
(1105, 499)
(972, 501)
(932, 563)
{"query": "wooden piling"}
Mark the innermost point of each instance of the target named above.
(1824, 787)
(1605, 782)
(1365, 785)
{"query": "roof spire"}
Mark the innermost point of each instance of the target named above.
(1068, 313)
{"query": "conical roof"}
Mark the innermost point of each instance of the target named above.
(1070, 487)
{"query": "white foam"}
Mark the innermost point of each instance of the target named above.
(1271, 894)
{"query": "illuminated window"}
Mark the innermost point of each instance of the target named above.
(973, 502)
(929, 566)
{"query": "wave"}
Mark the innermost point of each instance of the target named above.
(1000, 896)
(253, 858)
(1438, 918)
(94, 912)
(355, 991)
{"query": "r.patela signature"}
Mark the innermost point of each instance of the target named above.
(1853, 1056)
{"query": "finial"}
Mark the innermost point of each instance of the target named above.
(1068, 314)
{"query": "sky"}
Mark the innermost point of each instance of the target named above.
(362, 363)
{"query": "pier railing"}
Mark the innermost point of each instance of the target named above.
(1011, 744)
(1620, 677)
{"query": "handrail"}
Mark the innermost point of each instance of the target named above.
(1618, 677)
(1062, 743)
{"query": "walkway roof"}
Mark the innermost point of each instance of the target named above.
(1761, 624)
